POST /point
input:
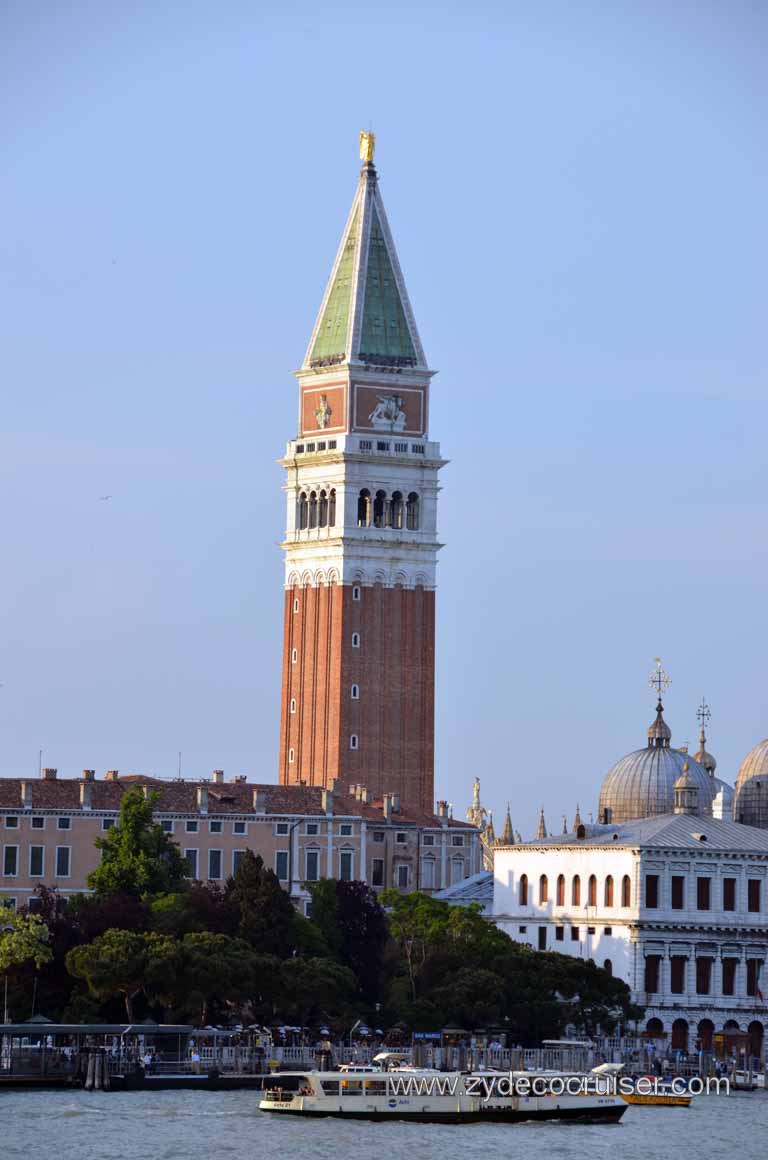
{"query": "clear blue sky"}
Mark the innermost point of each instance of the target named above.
(577, 192)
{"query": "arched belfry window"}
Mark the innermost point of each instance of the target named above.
(412, 512)
(313, 509)
(609, 890)
(543, 889)
(332, 508)
(379, 509)
(364, 508)
(592, 891)
(575, 890)
(396, 510)
(561, 890)
(524, 890)
(323, 520)
(302, 511)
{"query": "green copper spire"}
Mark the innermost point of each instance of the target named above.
(331, 340)
(365, 315)
(384, 329)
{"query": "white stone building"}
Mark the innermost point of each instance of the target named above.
(676, 905)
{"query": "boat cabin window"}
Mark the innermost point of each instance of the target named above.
(330, 1087)
(351, 1087)
(376, 1087)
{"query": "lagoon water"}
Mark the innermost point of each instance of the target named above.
(211, 1125)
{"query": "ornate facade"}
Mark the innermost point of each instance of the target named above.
(675, 905)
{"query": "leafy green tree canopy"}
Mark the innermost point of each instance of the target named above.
(137, 856)
(24, 938)
(265, 913)
(124, 962)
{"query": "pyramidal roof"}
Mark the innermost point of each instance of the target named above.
(365, 315)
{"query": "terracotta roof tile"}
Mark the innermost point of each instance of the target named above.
(63, 794)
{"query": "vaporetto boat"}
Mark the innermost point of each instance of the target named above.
(429, 1097)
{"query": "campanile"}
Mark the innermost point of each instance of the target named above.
(361, 530)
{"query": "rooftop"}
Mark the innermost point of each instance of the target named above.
(224, 797)
(665, 831)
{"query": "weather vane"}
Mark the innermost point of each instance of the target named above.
(703, 713)
(658, 679)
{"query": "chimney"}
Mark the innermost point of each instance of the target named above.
(260, 800)
(326, 800)
(442, 809)
(202, 799)
(111, 775)
(395, 803)
(86, 792)
(89, 775)
(49, 774)
(387, 806)
(218, 777)
(26, 795)
(240, 779)
(334, 786)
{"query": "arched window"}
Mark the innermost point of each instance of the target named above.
(626, 891)
(364, 508)
(355, 640)
(379, 509)
(561, 890)
(294, 655)
(608, 966)
(295, 604)
(543, 890)
(608, 892)
(592, 891)
(332, 508)
(291, 755)
(323, 509)
(301, 511)
(396, 510)
(523, 895)
(355, 692)
(313, 509)
(354, 741)
(576, 890)
(412, 512)
(293, 704)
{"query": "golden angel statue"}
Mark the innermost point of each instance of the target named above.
(367, 146)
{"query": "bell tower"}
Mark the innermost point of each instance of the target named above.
(361, 530)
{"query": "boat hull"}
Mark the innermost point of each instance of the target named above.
(610, 1114)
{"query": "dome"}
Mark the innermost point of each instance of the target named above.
(642, 784)
(750, 803)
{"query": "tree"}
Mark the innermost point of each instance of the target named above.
(137, 857)
(200, 908)
(316, 990)
(214, 970)
(355, 928)
(24, 938)
(127, 963)
(92, 915)
(417, 923)
(265, 913)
